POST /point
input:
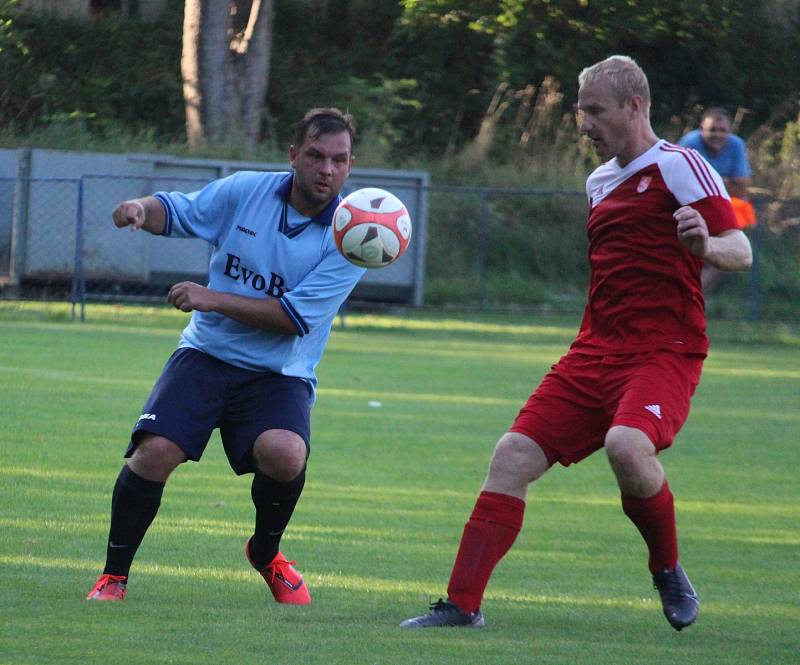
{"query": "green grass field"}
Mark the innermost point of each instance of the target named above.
(388, 491)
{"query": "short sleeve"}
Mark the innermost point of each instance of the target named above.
(318, 297)
(201, 214)
(693, 181)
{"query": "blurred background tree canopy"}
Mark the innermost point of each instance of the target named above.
(477, 92)
(468, 83)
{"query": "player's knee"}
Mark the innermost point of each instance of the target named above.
(633, 459)
(282, 466)
(618, 448)
(623, 455)
(155, 457)
(280, 455)
(517, 457)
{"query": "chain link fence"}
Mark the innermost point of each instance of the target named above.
(485, 248)
(58, 242)
(509, 248)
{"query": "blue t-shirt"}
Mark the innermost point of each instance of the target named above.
(263, 248)
(730, 162)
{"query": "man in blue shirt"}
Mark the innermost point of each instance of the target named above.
(245, 362)
(727, 153)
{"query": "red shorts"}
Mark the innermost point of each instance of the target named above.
(583, 396)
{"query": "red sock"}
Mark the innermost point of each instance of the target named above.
(489, 533)
(655, 519)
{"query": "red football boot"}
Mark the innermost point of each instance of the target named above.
(283, 580)
(109, 587)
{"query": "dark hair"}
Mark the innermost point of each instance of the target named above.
(321, 121)
(716, 112)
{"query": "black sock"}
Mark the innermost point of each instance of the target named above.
(274, 502)
(134, 504)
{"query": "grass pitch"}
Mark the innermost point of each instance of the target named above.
(407, 415)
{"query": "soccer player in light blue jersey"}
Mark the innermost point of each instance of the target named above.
(245, 362)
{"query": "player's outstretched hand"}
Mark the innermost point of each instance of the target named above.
(188, 296)
(692, 230)
(130, 214)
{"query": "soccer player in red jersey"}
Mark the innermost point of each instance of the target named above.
(656, 212)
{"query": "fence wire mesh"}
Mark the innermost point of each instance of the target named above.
(484, 247)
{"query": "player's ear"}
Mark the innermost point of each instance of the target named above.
(292, 154)
(636, 103)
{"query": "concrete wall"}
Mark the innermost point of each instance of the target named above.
(69, 196)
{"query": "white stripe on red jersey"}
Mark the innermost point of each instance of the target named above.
(644, 292)
(686, 173)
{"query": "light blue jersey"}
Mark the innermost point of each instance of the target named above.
(263, 248)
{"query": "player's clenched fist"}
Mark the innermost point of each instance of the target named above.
(692, 230)
(188, 296)
(129, 213)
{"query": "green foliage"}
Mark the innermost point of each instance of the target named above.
(453, 66)
(12, 39)
(778, 276)
(379, 107)
(694, 53)
(421, 73)
(478, 92)
(334, 55)
(94, 76)
(504, 248)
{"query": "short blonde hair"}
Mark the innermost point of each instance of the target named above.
(625, 76)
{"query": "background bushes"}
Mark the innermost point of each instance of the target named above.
(476, 92)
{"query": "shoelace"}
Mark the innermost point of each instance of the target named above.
(279, 568)
(672, 587)
(440, 605)
(108, 580)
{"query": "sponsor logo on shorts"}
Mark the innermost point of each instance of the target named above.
(147, 416)
(655, 409)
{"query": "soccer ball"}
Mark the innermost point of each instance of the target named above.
(371, 228)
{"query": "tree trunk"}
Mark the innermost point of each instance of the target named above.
(225, 69)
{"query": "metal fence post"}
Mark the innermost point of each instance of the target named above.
(19, 223)
(755, 274)
(78, 277)
(483, 248)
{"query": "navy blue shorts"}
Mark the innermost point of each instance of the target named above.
(197, 393)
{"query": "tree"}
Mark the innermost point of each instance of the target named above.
(225, 69)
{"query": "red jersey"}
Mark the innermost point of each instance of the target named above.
(645, 292)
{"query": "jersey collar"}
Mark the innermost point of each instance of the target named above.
(323, 217)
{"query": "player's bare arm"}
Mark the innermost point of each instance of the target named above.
(145, 213)
(728, 251)
(264, 314)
